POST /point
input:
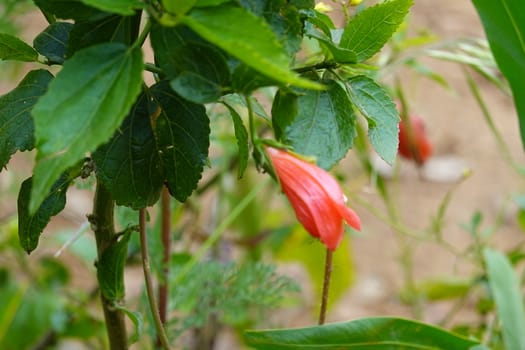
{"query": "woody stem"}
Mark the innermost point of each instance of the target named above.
(326, 285)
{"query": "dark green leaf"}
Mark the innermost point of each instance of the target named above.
(30, 226)
(372, 28)
(368, 333)
(284, 111)
(70, 9)
(207, 3)
(12, 48)
(242, 140)
(248, 38)
(122, 7)
(320, 20)
(246, 79)
(16, 124)
(381, 113)
(129, 165)
(339, 54)
(52, 42)
(324, 126)
(110, 268)
(82, 108)
(504, 23)
(506, 291)
(182, 131)
(113, 28)
(195, 88)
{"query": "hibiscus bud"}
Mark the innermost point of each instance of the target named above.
(417, 147)
(316, 197)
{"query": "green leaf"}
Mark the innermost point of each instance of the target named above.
(182, 131)
(381, 113)
(367, 333)
(242, 140)
(324, 126)
(12, 48)
(129, 165)
(110, 268)
(506, 291)
(248, 38)
(122, 7)
(340, 55)
(16, 124)
(136, 319)
(112, 28)
(52, 42)
(30, 226)
(284, 111)
(82, 108)
(195, 88)
(70, 9)
(178, 7)
(372, 28)
(504, 24)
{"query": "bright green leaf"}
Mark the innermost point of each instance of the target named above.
(12, 48)
(52, 42)
(129, 165)
(16, 124)
(248, 38)
(324, 126)
(506, 291)
(82, 108)
(30, 226)
(377, 333)
(110, 268)
(504, 23)
(241, 134)
(372, 28)
(122, 7)
(340, 55)
(178, 7)
(182, 132)
(381, 113)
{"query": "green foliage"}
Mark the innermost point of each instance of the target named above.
(69, 9)
(110, 268)
(12, 48)
(374, 333)
(508, 298)
(52, 42)
(16, 133)
(504, 23)
(369, 31)
(107, 78)
(242, 140)
(122, 7)
(381, 113)
(324, 124)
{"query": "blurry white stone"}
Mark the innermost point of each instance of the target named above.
(444, 169)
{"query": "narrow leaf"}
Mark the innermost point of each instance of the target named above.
(52, 42)
(82, 108)
(182, 132)
(30, 226)
(248, 38)
(16, 124)
(372, 28)
(381, 333)
(242, 140)
(504, 23)
(324, 126)
(136, 319)
(122, 7)
(129, 165)
(381, 113)
(12, 48)
(110, 268)
(506, 291)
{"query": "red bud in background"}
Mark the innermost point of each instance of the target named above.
(417, 147)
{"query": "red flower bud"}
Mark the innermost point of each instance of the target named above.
(420, 149)
(315, 196)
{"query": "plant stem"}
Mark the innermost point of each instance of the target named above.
(326, 285)
(165, 238)
(322, 65)
(149, 284)
(102, 223)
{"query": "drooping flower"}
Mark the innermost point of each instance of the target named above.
(315, 196)
(419, 149)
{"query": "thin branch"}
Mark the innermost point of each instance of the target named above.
(326, 285)
(165, 238)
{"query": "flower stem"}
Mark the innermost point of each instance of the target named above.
(165, 238)
(149, 284)
(102, 223)
(326, 285)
